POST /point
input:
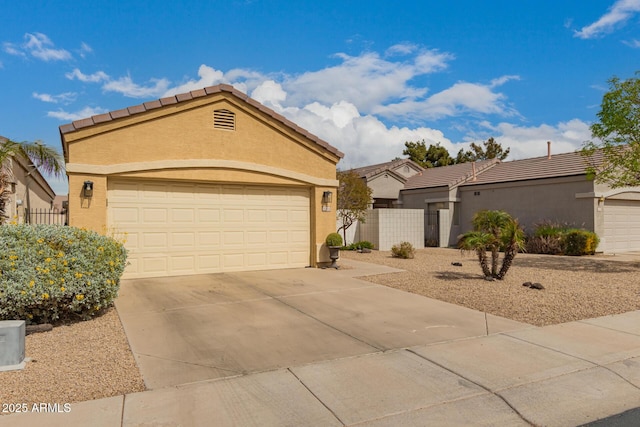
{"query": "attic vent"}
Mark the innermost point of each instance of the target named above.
(224, 119)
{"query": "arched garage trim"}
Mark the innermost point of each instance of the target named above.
(197, 163)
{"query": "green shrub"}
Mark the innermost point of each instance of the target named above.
(403, 250)
(50, 273)
(334, 239)
(554, 238)
(580, 242)
(358, 245)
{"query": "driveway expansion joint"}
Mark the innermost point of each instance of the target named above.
(513, 408)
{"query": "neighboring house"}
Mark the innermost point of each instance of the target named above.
(554, 188)
(29, 189)
(387, 179)
(436, 190)
(202, 182)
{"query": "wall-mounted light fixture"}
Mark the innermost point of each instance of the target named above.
(87, 189)
(327, 197)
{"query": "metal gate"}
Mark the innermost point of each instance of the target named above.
(46, 216)
(431, 229)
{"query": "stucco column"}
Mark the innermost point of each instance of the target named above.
(88, 212)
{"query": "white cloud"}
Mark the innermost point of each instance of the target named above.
(208, 77)
(64, 98)
(81, 114)
(126, 87)
(618, 14)
(269, 93)
(632, 43)
(460, 98)
(96, 77)
(84, 49)
(531, 141)
(41, 47)
(365, 81)
(12, 49)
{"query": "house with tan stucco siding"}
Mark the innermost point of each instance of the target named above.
(202, 182)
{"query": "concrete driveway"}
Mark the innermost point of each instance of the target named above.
(193, 328)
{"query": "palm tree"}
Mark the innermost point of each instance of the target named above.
(492, 231)
(46, 159)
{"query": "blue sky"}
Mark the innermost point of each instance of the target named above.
(365, 76)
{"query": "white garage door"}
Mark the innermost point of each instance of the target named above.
(622, 225)
(187, 228)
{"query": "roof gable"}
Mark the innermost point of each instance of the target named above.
(185, 97)
(392, 166)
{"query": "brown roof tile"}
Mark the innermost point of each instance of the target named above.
(151, 105)
(198, 93)
(448, 175)
(565, 164)
(168, 100)
(371, 170)
(136, 109)
(100, 118)
(118, 114)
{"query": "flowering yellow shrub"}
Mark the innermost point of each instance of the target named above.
(50, 272)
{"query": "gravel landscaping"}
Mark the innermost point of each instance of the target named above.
(91, 360)
(575, 288)
(73, 363)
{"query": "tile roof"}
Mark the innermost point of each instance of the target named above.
(372, 170)
(159, 103)
(565, 164)
(448, 175)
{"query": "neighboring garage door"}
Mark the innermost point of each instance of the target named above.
(622, 225)
(191, 228)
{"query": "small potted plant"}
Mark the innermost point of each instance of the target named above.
(334, 243)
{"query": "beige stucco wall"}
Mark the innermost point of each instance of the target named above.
(31, 189)
(179, 142)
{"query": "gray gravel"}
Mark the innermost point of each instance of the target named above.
(576, 288)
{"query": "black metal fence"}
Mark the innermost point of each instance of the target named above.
(46, 216)
(431, 229)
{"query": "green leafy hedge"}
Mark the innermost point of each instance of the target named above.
(580, 242)
(358, 245)
(50, 273)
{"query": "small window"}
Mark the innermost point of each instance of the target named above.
(224, 119)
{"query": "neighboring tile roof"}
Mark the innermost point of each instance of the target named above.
(448, 175)
(372, 170)
(565, 164)
(152, 105)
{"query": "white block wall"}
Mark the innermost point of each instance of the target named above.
(387, 227)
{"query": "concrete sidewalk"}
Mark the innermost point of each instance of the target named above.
(316, 347)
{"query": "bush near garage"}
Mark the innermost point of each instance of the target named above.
(53, 273)
(580, 242)
(561, 239)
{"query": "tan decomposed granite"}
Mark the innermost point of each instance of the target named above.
(72, 363)
(575, 288)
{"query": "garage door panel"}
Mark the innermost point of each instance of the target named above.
(157, 241)
(621, 225)
(191, 228)
(158, 215)
(209, 215)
